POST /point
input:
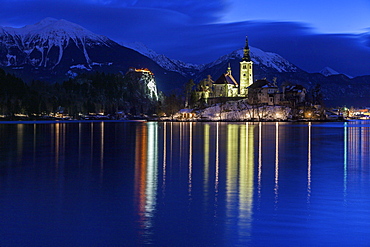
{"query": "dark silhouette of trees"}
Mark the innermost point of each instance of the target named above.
(87, 93)
(172, 104)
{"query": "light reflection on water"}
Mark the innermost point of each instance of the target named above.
(191, 183)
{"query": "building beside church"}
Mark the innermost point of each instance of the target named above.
(264, 92)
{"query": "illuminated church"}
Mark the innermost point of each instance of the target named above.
(227, 86)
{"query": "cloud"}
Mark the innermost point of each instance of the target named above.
(197, 11)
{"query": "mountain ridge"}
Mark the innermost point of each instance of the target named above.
(55, 50)
(268, 59)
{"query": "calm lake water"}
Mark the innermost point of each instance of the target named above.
(185, 184)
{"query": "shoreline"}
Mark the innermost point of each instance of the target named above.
(65, 121)
(158, 120)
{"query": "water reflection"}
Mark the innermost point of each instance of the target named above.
(356, 152)
(232, 148)
(146, 176)
(358, 139)
(345, 156)
(101, 148)
(141, 171)
(206, 131)
(259, 159)
(217, 163)
(309, 163)
(152, 170)
(58, 142)
(164, 166)
(222, 183)
(20, 137)
(190, 182)
(276, 189)
(246, 179)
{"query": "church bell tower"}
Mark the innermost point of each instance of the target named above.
(246, 71)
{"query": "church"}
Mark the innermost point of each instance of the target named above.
(226, 86)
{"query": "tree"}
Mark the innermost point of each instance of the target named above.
(317, 97)
(189, 89)
(172, 104)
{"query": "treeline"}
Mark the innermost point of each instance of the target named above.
(88, 93)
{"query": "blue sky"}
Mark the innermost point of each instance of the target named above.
(311, 34)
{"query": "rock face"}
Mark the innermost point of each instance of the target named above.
(145, 82)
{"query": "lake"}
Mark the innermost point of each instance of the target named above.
(185, 184)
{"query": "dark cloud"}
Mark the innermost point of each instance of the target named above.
(171, 28)
(198, 11)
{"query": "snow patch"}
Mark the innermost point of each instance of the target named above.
(71, 74)
(101, 64)
(11, 60)
(328, 71)
(80, 66)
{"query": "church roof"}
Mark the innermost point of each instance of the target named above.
(226, 78)
(294, 88)
(262, 84)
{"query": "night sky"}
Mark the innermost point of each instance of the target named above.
(311, 34)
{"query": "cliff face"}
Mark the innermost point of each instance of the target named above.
(146, 86)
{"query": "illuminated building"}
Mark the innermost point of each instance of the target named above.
(227, 87)
(246, 71)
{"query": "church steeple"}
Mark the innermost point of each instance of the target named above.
(229, 69)
(246, 56)
(246, 71)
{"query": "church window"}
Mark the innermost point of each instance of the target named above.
(244, 66)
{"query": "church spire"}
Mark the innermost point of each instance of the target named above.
(229, 69)
(246, 56)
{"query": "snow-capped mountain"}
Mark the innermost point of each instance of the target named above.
(328, 71)
(186, 69)
(44, 44)
(53, 50)
(259, 57)
(265, 65)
